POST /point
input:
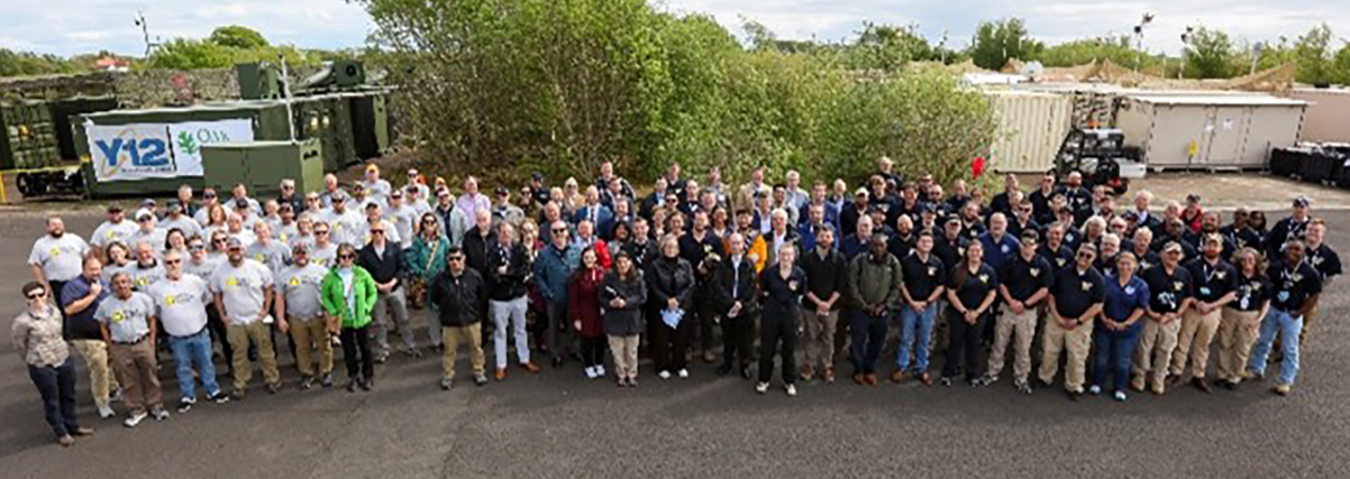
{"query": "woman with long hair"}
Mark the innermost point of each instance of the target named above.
(1118, 327)
(175, 240)
(670, 282)
(349, 300)
(970, 293)
(216, 219)
(426, 260)
(119, 258)
(583, 305)
(1241, 321)
(623, 295)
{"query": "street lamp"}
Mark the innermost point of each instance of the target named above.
(1139, 33)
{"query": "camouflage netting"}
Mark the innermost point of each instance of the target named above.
(137, 89)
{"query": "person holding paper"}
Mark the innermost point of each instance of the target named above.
(672, 285)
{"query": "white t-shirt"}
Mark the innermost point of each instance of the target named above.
(325, 256)
(343, 227)
(189, 226)
(109, 232)
(301, 287)
(403, 219)
(242, 289)
(143, 277)
(154, 237)
(203, 270)
(128, 320)
(181, 305)
(274, 254)
(61, 259)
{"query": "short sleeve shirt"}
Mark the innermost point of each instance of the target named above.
(1121, 301)
(128, 319)
(921, 277)
(301, 287)
(1075, 292)
(180, 305)
(1293, 286)
(61, 259)
(273, 254)
(1212, 282)
(1251, 293)
(143, 277)
(109, 232)
(976, 286)
(324, 256)
(242, 289)
(1023, 278)
(1168, 290)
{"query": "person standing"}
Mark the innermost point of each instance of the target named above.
(1297, 288)
(736, 293)
(115, 230)
(426, 261)
(552, 268)
(1172, 290)
(1075, 299)
(703, 250)
(623, 295)
(781, 286)
(971, 290)
(299, 308)
(826, 280)
(349, 296)
(180, 306)
(57, 258)
(1241, 318)
(583, 308)
(385, 262)
(127, 327)
(37, 337)
(460, 296)
(1215, 285)
(1024, 284)
(508, 267)
(671, 280)
(1118, 327)
(1324, 260)
(80, 299)
(243, 296)
(924, 279)
(874, 285)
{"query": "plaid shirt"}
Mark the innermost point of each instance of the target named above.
(39, 340)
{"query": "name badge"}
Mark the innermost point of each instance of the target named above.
(1204, 290)
(1060, 261)
(1220, 274)
(1129, 290)
(1283, 296)
(1005, 249)
(1242, 303)
(1177, 285)
(932, 271)
(792, 285)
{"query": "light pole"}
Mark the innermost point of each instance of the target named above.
(1139, 34)
(1185, 40)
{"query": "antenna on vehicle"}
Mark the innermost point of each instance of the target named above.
(286, 95)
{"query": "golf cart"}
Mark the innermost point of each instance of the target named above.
(1101, 157)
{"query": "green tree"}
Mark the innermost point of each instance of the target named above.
(1312, 54)
(188, 54)
(235, 36)
(997, 42)
(14, 63)
(888, 48)
(1340, 65)
(1082, 52)
(1209, 54)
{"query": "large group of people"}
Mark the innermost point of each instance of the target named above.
(589, 273)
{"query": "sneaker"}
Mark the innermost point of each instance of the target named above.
(792, 390)
(160, 414)
(805, 372)
(480, 381)
(684, 374)
(828, 375)
(1229, 384)
(218, 398)
(1120, 396)
(945, 381)
(1282, 389)
(1024, 387)
(65, 440)
(590, 372)
(723, 370)
(185, 405)
(367, 384)
(272, 388)
(1075, 396)
(351, 385)
(447, 383)
(600, 371)
(327, 380)
(306, 382)
(116, 396)
(762, 388)
(412, 352)
(135, 419)
(1202, 385)
(926, 379)
(663, 375)
(1095, 390)
(105, 412)
(745, 373)
(988, 379)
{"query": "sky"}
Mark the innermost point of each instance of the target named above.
(83, 26)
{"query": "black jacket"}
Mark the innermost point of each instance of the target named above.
(667, 278)
(382, 269)
(461, 299)
(476, 249)
(747, 293)
(511, 285)
(627, 321)
(825, 276)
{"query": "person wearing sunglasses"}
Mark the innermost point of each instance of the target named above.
(349, 295)
(115, 230)
(290, 196)
(180, 306)
(426, 260)
(1172, 291)
(243, 296)
(202, 263)
(460, 296)
(177, 217)
(385, 262)
(1075, 299)
(37, 336)
(324, 250)
(299, 309)
(209, 200)
(552, 269)
(129, 330)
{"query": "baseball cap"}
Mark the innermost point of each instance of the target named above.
(1171, 246)
(148, 203)
(502, 191)
(143, 214)
(537, 176)
(861, 192)
(233, 242)
(953, 220)
(1302, 202)
(114, 208)
(174, 204)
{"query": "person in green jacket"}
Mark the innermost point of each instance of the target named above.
(349, 299)
(426, 259)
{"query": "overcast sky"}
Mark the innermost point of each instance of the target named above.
(81, 26)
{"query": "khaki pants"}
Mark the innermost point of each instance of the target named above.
(1238, 330)
(1023, 326)
(1076, 341)
(818, 347)
(310, 334)
(625, 350)
(472, 334)
(135, 368)
(260, 335)
(102, 381)
(1197, 332)
(1154, 352)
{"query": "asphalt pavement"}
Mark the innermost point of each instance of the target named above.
(559, 424)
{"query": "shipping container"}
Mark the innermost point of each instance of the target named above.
(1031, 127)
(1328, 115)
(1222, 131)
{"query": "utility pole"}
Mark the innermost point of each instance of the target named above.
(1256, 55)
(1139, 35)
(942, 47)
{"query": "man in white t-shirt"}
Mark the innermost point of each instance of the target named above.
(402, 217)
(299, 309)
(117, 228)
(180, 305)
(243, 296)
(57, 257)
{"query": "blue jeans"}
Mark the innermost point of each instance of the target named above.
(1114, 354)
(1289, 328)
(916, 328)
(187, 350)
(869, 334)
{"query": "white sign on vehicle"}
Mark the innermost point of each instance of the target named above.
(158, 150)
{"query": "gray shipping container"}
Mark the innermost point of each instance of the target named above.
(1209, 131)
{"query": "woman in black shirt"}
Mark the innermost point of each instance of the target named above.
(971, 294)
(1241, 320)
(782, 285)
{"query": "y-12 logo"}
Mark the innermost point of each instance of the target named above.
(144, 152)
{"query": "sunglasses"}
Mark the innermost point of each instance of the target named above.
(559, 230)
(37, 295)
(209, 196)
(321, 232)
(377, 232)
(1085, 255)
(455, 258)
(217, 241)
(173, 261)
(347, 256)
(287, 187)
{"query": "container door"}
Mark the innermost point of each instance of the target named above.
(1227, 131)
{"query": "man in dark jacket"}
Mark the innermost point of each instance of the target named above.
(552, 268)
(508, 266)
(478, 241)
(387, 266)
(734, 291)
(461, 294)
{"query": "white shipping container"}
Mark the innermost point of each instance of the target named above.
(1032, 125)
(1328, 116)
(1209, 131)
